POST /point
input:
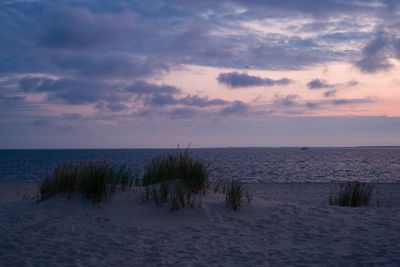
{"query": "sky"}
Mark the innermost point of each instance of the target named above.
(149, 74)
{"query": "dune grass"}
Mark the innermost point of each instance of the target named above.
(235, 192)
(174, 178)
(96, 181)
(174, 192)
(180, 166)
(352, 193)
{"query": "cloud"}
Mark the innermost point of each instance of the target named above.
(315, 8)
(12, 104)
(70, 91)
(6, 99)
(78, 28)
(352, 101)
(373, 55)
(112, 107)
(331, 88)
(202, 101)
(237, 107)
(139, 96)
(288, 100)
(161, 100)
(137, 39)
(183, 113)
(312, 105)
(330, 93)
(292, 104)
(396, 45)
(237, 80)
(190, 100)
(322, 84)
(319, 84)
(114, 65)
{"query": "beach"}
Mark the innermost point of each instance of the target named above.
(199, 133)
(287, 224)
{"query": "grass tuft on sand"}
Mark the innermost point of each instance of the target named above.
(96, 181)
(180, 166)
(352, 193)
(175, 178)
(235, 193)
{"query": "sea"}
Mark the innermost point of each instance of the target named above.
(253, 165)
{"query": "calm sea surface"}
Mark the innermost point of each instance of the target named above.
(247, 164)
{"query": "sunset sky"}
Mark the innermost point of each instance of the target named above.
(126, 74)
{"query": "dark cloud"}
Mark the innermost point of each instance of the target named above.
(295, 105)
(32, 84)
(109, 97)
(351, 101)
(396, 44)
(81, 29)
(236, 107)
(70, 91)
(236, 80)
(78, 28)
(288, 100)
(330, 93)
(15, 106)
(202, 101)
(161, 100)
(112, 107)
(331, 88)
(183, 113)
(312, 105)
(116, 65)
(135, 38)
(373, 55)
(195, 101)
(11, 104)
(319, 84)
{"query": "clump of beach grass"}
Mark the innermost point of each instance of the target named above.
(174, 192)
(235, 193)
(180, 166)
(174, 178)
(352, 193)
(96, 181)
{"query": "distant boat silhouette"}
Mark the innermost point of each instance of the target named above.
(304, 148)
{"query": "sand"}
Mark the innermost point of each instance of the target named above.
(287, 225)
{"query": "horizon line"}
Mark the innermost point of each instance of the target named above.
(216, 147)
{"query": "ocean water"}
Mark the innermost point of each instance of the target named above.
(260, 165)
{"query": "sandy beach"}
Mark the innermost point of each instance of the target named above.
(287, 225)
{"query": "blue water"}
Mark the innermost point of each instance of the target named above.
(376, 164)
